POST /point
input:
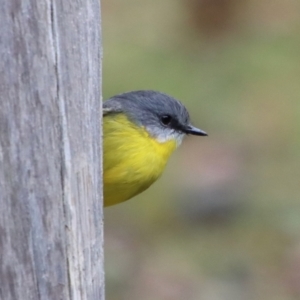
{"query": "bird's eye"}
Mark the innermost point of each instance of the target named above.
(166, 119)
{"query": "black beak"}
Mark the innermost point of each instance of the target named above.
(194, 131)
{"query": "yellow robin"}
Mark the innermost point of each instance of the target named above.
(141, 129)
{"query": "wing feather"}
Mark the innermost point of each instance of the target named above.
(111, 107)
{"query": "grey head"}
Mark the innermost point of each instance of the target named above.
(164, 117)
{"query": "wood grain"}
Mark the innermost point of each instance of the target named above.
(51, 232)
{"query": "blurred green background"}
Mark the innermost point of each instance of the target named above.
(223, 222)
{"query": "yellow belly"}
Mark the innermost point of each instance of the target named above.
(132, 159)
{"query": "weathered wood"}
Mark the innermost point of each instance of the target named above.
(50, 150)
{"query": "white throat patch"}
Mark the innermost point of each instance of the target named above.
(163, 136)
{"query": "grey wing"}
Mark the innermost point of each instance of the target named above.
(111, 106)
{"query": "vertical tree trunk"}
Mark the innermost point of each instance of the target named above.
(50, 150)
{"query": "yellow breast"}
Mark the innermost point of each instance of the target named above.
(133, 160)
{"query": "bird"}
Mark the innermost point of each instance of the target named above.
(141, 129)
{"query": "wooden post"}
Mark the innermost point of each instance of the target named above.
(51, 231)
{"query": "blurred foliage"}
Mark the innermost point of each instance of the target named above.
(223, 222)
